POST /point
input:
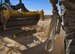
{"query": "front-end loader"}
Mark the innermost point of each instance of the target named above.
(16, 16)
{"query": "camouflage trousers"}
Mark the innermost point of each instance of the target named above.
(69, 44)
(68, 18)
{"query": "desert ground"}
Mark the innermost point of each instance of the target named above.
(35, 40)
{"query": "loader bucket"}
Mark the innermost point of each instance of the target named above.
(17, 20)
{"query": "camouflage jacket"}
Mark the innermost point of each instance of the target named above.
(69, 4)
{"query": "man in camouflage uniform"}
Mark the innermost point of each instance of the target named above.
(68, 19)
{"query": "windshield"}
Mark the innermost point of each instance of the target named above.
(2, 2)
(14, 2)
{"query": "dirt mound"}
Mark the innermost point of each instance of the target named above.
(42, 29)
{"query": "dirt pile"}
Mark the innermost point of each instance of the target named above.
(9, 46)
(42, 29)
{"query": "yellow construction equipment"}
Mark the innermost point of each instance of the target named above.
(16, 16)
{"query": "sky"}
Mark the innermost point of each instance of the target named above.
(34, 5)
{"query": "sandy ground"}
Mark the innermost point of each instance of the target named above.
(59, 44)
(34, 40)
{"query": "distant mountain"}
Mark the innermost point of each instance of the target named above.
(47, 16)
